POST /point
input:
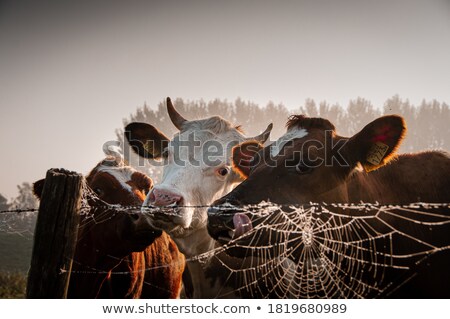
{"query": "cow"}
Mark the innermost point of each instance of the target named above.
(118, 254)
(311, 164)
(197, 171)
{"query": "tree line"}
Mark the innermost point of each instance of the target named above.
(428, 123)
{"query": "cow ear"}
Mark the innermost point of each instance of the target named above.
(243, 155)
(146, 140)
(377, 142)
(38, 187)
(142, 181)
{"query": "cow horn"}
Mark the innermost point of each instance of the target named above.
(176, 117)
(262, 138)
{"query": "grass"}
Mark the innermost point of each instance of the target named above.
(15, 252)
(12, 285)
(15, 255)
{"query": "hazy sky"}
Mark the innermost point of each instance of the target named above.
(71, 70)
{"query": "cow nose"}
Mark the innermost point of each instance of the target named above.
(163, 197)
(220, 219)
(218, 223)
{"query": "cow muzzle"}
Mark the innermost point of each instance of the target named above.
(227, 222)
(164, 197)
(166, 210)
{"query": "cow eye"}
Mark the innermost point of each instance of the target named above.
(223, 171)
(98, 191)
(303, 168)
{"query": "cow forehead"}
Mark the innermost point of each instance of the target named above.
(121, 174)
(290, 135)
(205, 146)
(203, 136)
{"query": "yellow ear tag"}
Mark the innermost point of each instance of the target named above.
(375, 155)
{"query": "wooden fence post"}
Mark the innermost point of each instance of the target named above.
(55, 235)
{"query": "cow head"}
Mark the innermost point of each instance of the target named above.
(105, 230)
(310, 163)
(116, 183)
(197, 168)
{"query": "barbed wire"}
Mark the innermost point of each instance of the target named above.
(21, 210)
(333, 243)
(227, 207)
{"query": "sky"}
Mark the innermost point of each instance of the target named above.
(70, 71)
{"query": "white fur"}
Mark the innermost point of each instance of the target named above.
(294, 133)
(122, 175)
(197, 185)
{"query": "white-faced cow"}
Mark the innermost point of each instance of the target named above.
(118, 254)
(311, 163)
(197, 172)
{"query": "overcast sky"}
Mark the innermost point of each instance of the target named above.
(71, 70)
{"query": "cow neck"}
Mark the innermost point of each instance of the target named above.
(206, 273)
(366, 187)
(398, 183)
(383, 185)
(197, 243)
(210, 278)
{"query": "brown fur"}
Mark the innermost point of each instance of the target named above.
(135, 267)
(302, 121)
(396, 179)
(407, 178)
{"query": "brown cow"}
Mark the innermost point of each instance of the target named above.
(311, 163)
(118, 254)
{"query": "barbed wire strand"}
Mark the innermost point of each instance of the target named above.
(226, 207)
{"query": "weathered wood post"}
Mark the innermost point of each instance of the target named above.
(55, 235)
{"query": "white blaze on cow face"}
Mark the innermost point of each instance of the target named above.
(290, 135)
(121, 174)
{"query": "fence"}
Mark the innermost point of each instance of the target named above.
(54, 239)
(338, 236)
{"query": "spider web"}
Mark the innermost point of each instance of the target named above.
(311, 251)
(338, 251)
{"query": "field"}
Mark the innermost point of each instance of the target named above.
(15, 254)
(12, 284)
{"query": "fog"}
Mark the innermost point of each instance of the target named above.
(71, 71)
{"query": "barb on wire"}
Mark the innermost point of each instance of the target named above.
(18, 211)
(262, 205)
